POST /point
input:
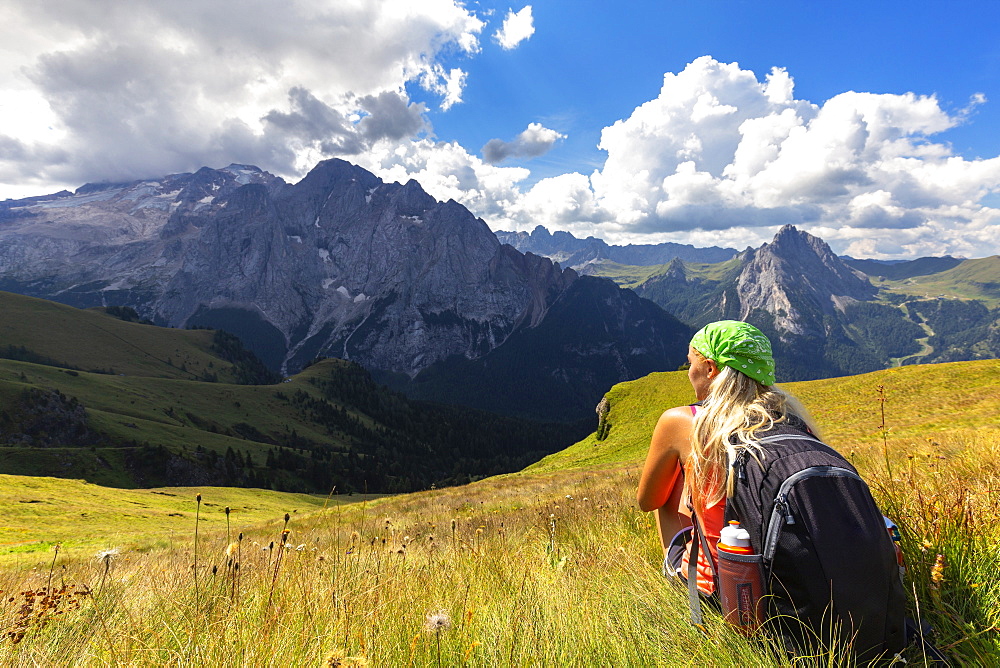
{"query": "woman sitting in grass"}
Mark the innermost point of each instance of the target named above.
(832, 577)
(732, 374)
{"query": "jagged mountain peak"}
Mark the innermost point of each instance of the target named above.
(336, 174)
(570, 251)
(675, 269)
(809, 255)
(791, 242)
(797, 279)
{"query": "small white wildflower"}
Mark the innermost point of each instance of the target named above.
(300, 547)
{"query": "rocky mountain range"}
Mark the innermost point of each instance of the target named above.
(343, 265)
(824, 316)
(566, 249)
(427, 298)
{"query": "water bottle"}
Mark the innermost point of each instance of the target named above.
(740, 579)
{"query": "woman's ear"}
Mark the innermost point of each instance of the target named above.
(713, 368)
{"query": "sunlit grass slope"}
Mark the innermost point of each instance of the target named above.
(87, 395)
(972, 279)
(631, 276)
(84, 518)
(921, 400)
(94, 341)
(180, 415)
(551, 566)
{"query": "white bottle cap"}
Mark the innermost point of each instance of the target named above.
(734, 535)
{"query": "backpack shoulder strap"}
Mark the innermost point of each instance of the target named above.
(698, 541)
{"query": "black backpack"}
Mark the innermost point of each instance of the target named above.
(830, 570)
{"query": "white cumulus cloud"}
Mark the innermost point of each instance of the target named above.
(517, 27)
(719, 149)
(723, 157)
(128, 90)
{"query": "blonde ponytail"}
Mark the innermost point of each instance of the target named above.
(737, 408)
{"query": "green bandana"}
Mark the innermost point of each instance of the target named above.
(738, 345)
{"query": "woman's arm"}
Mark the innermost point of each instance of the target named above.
(662, 483)
(668, 450)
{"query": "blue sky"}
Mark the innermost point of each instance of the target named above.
(591, 63)
(873, 125)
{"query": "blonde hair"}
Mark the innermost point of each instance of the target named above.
(737, 407)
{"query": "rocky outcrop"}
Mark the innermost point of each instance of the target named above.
(798, 279)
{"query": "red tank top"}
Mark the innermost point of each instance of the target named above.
(712, 520)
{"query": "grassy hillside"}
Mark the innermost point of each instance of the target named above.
(84, 518)
(91, 340)
(629, 276)
(922, 401)
(972, 279)
(329, 426)
(90, 396)
(551, 566)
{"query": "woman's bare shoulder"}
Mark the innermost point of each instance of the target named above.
(673, 430)
(676, 415)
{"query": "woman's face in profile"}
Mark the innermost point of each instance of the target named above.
(700, 373)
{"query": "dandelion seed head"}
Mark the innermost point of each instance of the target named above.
(107, 556)
(437, 621)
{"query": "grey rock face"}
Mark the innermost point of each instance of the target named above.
(340, 264)
(797, 278)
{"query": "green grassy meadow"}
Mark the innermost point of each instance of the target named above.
(85, 394)
(85, 518)
(75, 338)
(177, 414)
(554, 565)
(972, 279)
